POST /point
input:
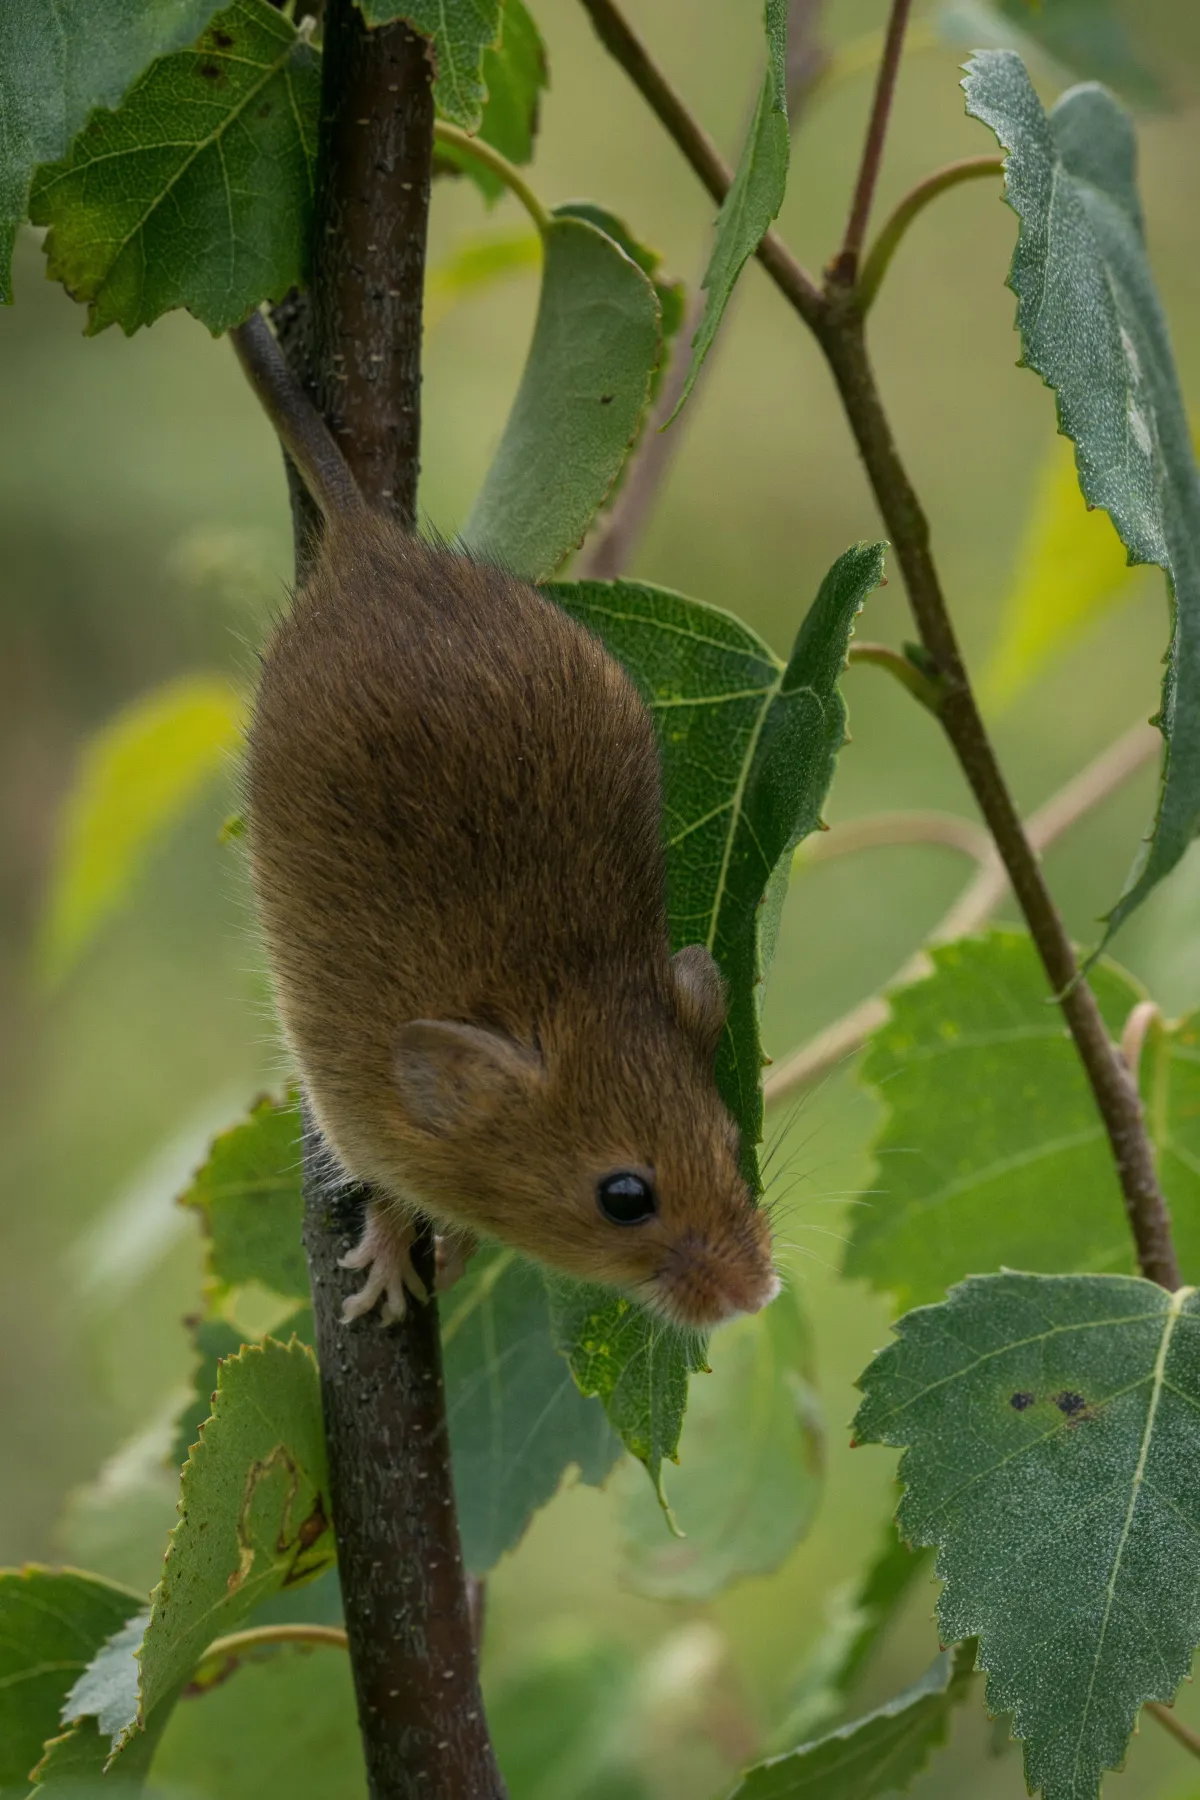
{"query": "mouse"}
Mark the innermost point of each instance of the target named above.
(454, 814)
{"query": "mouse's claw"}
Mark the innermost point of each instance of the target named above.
(385, 1252)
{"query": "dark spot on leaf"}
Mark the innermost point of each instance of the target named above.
(223, 40)
(1069, 1403)
(1020, 1401)
(210, 72)
(314, 1526)
(607, 399)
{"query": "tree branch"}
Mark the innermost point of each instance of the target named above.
(972, 909)
(844, 269)
(837, 322)
(842, 337)
(406, 1609)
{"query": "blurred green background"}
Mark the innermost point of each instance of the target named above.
(144, 533)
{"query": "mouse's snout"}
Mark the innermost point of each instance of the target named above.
(708, 1278)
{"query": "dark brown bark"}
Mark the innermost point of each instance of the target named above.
(408, 1615)
(356, 343)
(368, 255)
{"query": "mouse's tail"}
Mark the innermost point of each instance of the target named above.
(299, 426)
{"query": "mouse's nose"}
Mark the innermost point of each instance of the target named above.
(702, 1283)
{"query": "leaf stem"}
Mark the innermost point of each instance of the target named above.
(972, 909)
(844, 269)
(1133, 1037)
(1182, 1733)
(266, 1637)
(972, 168)
(500, 166)
(698, 149)
(889, 830)
(902, 669)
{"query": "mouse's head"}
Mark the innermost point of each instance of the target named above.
(604, 1150)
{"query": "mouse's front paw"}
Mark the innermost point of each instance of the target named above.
(385, 1252)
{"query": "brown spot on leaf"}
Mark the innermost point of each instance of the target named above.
(1021, 1400)
(223, 40)
(607, 399)
(1069, 1403)
(210, 72)
(265, 110)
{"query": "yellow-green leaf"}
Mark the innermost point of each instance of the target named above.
(1071, 570)
(475, 263)
(137, 776)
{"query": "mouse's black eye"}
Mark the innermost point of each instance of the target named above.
(626, 1198)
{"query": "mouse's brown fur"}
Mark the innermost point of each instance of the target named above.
(455, 838)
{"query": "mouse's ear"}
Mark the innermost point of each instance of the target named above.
(700, 994)
(444, 1072)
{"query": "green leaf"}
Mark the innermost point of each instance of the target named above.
(1092, 327)
(1071, 571)
(517, 1420)
(254, 1512)
(756, 195)
(107, 1691)
(462, 31)
(992, 1150)
(56, 64)
(566, 1723)
(52, 1623)
(475, 264)
(858, 1615)
(282, 1724)
(250, 1198)
(751, 1462)
(670, 293)
(197, 190)
(596, 345)
(636, 1365)
(75, 1764)
(136, 777)
(749, 746)
(514, 74)
(1049, 1427)
(878, 1754)
(1085, 38)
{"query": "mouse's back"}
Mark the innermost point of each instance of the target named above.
(454, 803)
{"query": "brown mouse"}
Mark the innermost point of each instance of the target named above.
(454, 810)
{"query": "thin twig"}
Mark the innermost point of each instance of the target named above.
(844, 268)
(611, 549)
(627, 49)
(972, 909)
(875, 267)
(1183, 1734)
